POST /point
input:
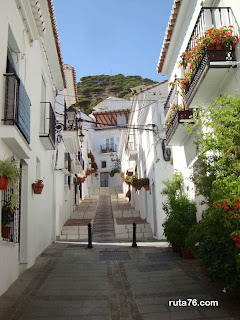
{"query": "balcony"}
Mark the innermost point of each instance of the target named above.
(16, 129)
(105, 148)
(176, 118)
(215, 64)
(176, 134)
(131, 150)
(47, 127)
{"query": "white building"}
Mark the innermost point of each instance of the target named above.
(32, 73)
(216, 73)
(109, 115)
(143, 151)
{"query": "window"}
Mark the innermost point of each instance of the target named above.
(104, 164)
(110, 143)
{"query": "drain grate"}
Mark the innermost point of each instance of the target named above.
(154, 267)
(114, 255)
(162, 256)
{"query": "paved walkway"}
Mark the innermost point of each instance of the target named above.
(113, 281)
(103, 227)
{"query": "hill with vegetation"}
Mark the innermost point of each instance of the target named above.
(94, 89)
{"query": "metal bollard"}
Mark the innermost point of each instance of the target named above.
(90, 236)
(134, 244)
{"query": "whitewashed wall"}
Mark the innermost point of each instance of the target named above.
(38, 211)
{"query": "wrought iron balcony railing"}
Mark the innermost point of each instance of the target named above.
(180, 116)
(203, 66)
(173, 97)
(106, 148)
(48, 123)
(17, 105)
(215, 17)
(210, 18)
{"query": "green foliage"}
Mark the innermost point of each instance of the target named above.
(7, 213)
(217, 172)
(9, 168)
(99, 87)
(217, 177)
(116, 167)
(217, 250)
(180, 211)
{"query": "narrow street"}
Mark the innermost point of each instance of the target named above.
(112, 281)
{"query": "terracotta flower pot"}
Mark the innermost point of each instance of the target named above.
(139, 188)
(3, 182)
(6, 232)
(211, 47)
(146, 187)
(186, 254)
(219, 47)
(37, 188)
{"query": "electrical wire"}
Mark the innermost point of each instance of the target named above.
(68, 95)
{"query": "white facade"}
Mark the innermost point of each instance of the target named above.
(111, 112)
(217, 76)
(142, 153)
(30, 44)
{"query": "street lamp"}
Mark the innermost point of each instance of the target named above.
(81, 136)
(71, 117)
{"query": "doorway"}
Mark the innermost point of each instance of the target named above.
(104, 179)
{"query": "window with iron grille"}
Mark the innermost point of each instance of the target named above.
(11, 213)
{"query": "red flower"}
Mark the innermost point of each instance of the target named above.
(238, 245)
(216, 207)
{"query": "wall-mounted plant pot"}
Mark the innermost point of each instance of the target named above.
(146, 187)
(37, 188)
(80, 179)
(3, 182)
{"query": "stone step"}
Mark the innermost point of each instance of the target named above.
(125, 230)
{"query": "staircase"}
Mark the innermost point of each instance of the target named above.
(76, 227)
(124, 216)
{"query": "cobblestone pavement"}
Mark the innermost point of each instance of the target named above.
(113, 281)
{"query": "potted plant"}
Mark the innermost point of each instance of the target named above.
(38, 186)
(7, 218)
(8, 171)
(145, 183)
(88, 172)
(80, 179)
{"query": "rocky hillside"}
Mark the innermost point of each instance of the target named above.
(94, 89)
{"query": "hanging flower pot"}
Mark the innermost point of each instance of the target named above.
(146, 187)
(38, 187)
(3, 182)
(80, 179)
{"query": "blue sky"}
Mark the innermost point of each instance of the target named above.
(112, 36)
